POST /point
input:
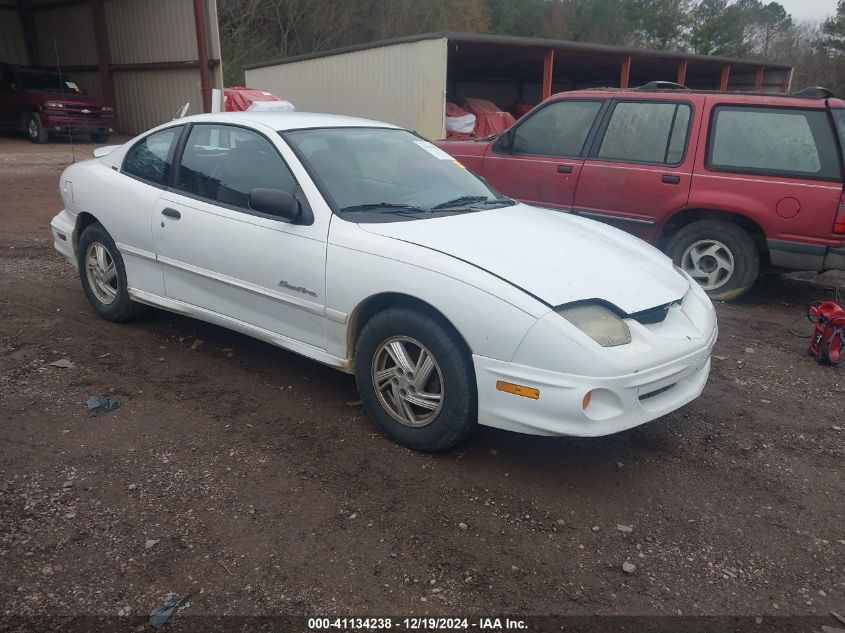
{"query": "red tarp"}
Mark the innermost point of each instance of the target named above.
(456, 113)
(519, 110)
(239, 98)
(489, 117)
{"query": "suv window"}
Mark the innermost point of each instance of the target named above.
(151, 158)
(778, 141)
(224, 163)
(559, 129)
(646, 132)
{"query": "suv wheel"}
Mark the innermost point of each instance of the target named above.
(35, 129)
(720, 256)
(416, 380)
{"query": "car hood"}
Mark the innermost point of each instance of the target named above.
(68, 98)
(555, 256)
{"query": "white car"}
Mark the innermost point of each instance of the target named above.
(365, 247)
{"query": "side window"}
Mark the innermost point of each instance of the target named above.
(646, 132)
(151, 158)
(779, 141)
(224, 163)
(559, 129)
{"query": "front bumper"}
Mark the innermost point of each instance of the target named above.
(57, 123)
(802, 256)
(618, 402)
(61, 228)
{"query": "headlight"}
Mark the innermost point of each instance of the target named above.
(601, 324)
(54, 104)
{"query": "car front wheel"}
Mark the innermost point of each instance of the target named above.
(103, 275)
(416, 380)
(35, 129)
(720, 256)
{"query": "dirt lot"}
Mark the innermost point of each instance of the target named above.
(242, 472)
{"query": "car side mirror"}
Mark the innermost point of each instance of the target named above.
(275, 202)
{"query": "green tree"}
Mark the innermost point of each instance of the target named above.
(834, 29)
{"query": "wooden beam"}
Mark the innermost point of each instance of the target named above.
(202, 54)
(625, 75)
(90, 68)
(758, 79)
(682, 72)
(726, 77)
(101, 39)
(548, 72)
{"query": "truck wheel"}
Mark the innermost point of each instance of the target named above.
(35, 129)
(416, 380)
(103, 275)
(720, 256)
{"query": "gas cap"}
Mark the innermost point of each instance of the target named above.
(788, 208)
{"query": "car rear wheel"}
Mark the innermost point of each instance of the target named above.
(103, 275)
(35, 129)
(416, 380)
(720, 256)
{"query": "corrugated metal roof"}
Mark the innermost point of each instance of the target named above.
(523, 42)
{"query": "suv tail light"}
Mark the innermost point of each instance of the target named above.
(839, 220)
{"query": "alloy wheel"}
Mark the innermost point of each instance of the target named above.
(709, 262)
(101, 272)
(408, 381)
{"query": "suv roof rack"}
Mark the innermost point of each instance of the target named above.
(661, 85)
(814, 92)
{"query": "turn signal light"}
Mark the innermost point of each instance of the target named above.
(585, 402)
(518, 390)
(839, 221)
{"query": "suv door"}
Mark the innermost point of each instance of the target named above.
(220, 255)
(545, 156)
(639, 170)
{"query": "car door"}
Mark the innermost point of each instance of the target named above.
(222, 256)
(543, 161)
(639, 171)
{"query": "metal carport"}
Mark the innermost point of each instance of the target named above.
(146, 57)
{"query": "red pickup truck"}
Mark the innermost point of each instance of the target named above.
(722, 182)
(40, 102)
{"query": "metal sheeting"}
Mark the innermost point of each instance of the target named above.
(146, 98)
(403, 84)
(68, 31)
(145, 31)
(12, 44)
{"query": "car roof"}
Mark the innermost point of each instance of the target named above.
(287, 120)
(754, 98)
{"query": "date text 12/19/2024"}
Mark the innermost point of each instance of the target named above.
(417, 624)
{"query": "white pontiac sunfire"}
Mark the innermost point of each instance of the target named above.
(365, 247)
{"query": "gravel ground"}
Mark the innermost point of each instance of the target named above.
(245, 475)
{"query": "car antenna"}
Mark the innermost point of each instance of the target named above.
(62, 92)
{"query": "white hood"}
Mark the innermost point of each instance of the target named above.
(555, 256)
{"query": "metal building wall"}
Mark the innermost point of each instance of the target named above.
(403, 84)
(12, 44)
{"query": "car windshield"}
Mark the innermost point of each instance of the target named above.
(50, 82)
(390, 171)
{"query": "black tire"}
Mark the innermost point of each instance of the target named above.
(457, 415)
(121, 308)
(99, 137)
(746, 258)
(35, 130)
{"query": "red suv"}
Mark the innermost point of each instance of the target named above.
(39, 102)
(722, 182)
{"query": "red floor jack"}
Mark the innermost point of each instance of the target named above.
(828, 341)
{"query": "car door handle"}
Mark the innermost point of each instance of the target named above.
(564, 169)
(171, 213)
(670, 179)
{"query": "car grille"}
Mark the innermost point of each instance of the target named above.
(83, 112)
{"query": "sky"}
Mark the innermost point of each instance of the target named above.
(814, 10)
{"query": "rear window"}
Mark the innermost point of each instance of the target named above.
(646, 132)
(776, 141)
